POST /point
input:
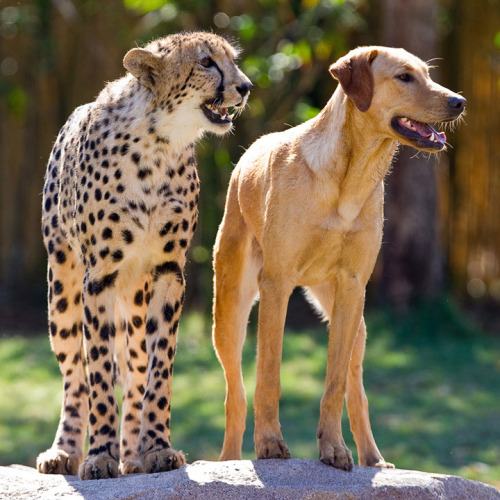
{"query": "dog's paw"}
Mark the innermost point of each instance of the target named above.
(54, 461)
(272, 447)
(98, 467)
(162, 460)
(131, 467)
(383, 464)
(372, 458)
(338, 456)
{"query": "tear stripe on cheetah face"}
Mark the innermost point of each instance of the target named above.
(119, 211)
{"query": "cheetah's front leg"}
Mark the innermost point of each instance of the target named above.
(99, 330)
(65, 276)
(162, 322)
(135, 376)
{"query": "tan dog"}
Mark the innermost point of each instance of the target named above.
(305, 208)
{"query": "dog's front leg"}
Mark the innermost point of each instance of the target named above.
(274, 297)
(346, 317)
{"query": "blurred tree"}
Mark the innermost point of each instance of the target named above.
(412, 260)
(473, 210)
(50, 54)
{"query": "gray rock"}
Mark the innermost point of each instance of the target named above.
(244, 480)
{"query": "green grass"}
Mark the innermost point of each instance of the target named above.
(431, 379)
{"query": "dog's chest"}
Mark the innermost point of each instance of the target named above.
(331, 245)
(318, 261)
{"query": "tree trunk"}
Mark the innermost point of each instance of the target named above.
(412, 263)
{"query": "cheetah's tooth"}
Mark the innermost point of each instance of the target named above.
(432, 137)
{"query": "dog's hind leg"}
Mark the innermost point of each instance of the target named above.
(322, 297)
(235, 289)
(357, 406)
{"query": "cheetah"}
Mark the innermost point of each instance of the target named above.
(119, 210)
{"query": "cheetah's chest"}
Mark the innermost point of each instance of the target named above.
(169, 194)
(137, 210)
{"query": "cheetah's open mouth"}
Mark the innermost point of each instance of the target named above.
(218, 114)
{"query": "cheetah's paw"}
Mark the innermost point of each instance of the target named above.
(55, 461)
(162, 460)
(98, 467)
(131, 467)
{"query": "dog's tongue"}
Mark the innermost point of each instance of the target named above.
(423, 129)
(427, 130)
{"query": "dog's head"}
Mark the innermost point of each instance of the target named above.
(395, 92)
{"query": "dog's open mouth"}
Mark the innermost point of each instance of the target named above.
(218, 114)
(422, 134)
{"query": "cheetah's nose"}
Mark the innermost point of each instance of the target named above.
(244, 89)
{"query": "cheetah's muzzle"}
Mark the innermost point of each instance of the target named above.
(217, 114)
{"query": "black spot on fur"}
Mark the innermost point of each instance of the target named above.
(165, 229)
(168, 313)
(58, 287)
(62, 305)
(127, 235)
(97, 286)
(60, 257)
(102, 408)
(170, 267)
(151, 326)
(139, 298)
(117, 255)
(169, 246)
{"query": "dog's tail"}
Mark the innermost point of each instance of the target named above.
(315, 304)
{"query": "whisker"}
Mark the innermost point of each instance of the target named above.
(434, 59)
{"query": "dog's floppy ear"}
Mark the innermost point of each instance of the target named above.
(144, 65)
(354, 73)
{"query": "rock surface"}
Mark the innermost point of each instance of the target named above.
(244, 480)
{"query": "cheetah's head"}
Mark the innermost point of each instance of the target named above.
(195, 74)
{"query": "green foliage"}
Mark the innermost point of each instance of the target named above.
(17, 101)
(144, 6)
(496, 40)
(432, 383)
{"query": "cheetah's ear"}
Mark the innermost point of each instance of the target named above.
(144, 65)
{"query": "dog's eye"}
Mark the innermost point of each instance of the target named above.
(405, 77)
(207, 62)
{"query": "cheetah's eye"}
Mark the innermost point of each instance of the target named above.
(207, 62)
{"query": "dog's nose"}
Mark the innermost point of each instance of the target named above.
(457, 102)
(244, 89)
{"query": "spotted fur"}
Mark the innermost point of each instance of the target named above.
(119, 210)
